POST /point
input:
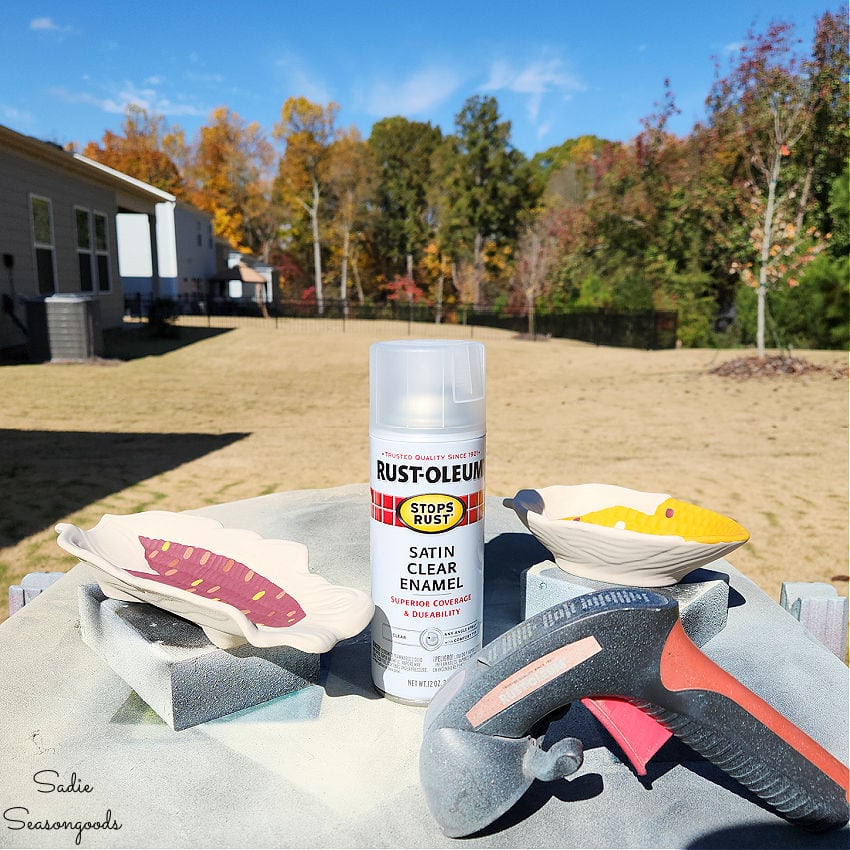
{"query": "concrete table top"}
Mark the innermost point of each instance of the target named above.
(335, 765)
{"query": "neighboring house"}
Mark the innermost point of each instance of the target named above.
(58, 232)
(241, 279)
(186, 253)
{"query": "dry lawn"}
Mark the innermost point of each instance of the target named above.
(258, 409)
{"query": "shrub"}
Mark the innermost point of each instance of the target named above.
(813, 314)
(161, 316)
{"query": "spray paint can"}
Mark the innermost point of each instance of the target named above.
(426, 430)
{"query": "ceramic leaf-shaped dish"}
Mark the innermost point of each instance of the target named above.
(236, 585)
(610, 533)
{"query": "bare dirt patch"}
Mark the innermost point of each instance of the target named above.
(267, 407)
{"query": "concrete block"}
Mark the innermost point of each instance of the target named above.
(31, 585)
(172, 666)
(820, 610)
(703, 596)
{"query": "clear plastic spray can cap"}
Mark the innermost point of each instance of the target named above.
(426, 388)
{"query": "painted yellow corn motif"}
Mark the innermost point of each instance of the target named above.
(222, 579)
(671, 517)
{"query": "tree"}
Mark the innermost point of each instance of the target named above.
(487, 184)
(351, 176)
(768, 102)
(566, 170)
(622, 250)
(307, 131)
(828, 147)
(228, 176)
(537, 252)
(403, 152)
(263, 222)
(436, 268)
(143, 150)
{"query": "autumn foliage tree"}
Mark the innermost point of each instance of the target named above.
(747, 209)
(145, 151)
(351, 178)
(306, 130)
(768, 101)
(618, 204)
(537, 253)
(229, 177)
(678, 223)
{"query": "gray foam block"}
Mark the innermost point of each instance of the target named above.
(703, 596)
(173, 667)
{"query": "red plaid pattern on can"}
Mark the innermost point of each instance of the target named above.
(385, 508)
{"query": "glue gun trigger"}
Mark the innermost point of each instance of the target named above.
(562, 759)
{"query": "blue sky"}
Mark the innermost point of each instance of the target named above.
(558, 68)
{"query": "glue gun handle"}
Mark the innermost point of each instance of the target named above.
(745, 737)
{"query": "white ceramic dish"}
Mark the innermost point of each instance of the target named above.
(236, 585)
(609, 533)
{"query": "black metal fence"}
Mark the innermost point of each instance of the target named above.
(647, 330)
(651, 330)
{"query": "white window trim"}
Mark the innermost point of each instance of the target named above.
(101, 252)
(94, 253)
(88, 251)
(36, 245)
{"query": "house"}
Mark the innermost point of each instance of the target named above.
(241, 283)
(186, 252)
(58, 233)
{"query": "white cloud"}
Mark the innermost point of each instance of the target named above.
(210, 77)
(16, 117)
(501, 76)
(128, 94)
(534, 80)
(301, 81)
(417, 95)
(47, 25)
(43, 24)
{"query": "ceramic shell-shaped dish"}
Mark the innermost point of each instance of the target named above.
(609, 533)
(236, 585)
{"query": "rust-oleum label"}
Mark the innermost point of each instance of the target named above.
(427, 553)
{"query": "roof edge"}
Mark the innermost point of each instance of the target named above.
(74, 162)
(126, 178)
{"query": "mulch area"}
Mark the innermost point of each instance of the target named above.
(774, 366)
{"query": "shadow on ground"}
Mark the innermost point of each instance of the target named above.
(134, 341)
(47, 475)
(130, 342)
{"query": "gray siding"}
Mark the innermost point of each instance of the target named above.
(195, 262)
(22, 176)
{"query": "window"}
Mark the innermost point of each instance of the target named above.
(92, 250)
(42, 238)
(82, 219)
(101, 248)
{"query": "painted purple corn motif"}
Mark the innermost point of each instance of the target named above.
(221, 579)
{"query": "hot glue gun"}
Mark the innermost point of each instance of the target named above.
(479, 754)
